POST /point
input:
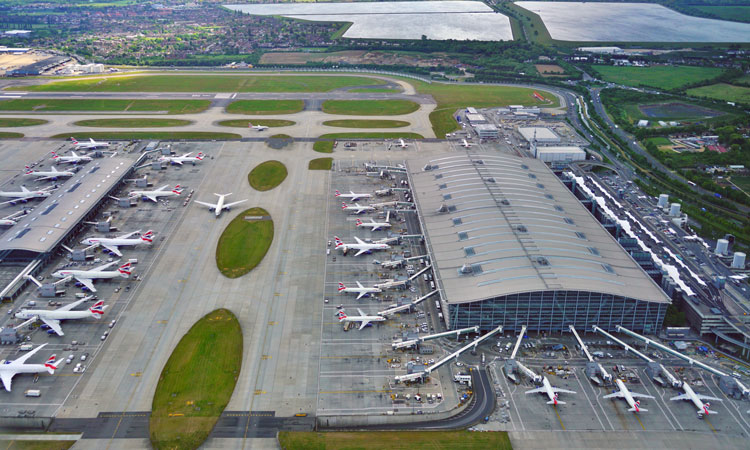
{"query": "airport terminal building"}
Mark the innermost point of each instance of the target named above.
(511, 245)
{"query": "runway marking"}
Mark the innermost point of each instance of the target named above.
(259, 392)
(176, 414)
(264, 357)
(162, 321)
(364, 392)
(558, 417)
(277, 294)
(709, 423)
(639, 421)
(273, 322)
(137, 374)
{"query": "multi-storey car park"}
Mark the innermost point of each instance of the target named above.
(512, 246)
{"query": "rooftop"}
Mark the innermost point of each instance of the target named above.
(541, 134)
(510, 226)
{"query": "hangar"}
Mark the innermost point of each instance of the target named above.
(510, 245)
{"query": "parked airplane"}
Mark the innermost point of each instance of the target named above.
(12, 219)
(624, 392)
(87, 277)
(465, 143)
(154, 195)
(183, 159)
(360, 290)
(352, 196)
(24, 195)
(219, 206)
(356, 209)
(402, 144)
(257, 127)
(360, 246)
(362, 318)
(9, 369)
(72, 159)
(375, 226)
(697, 399)
(90, 145)
(53, 318)
(114, 244)
(550, 391)
(52, 174)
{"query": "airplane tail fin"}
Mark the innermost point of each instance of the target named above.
(148, 237)
(341, 286)
(51, 364)
(358, 222)
(336, 193)
(337, 242)
(177, 190)
(342, 316)
(343, 205)
(55, 155)
(124, 270)
(73, 140)
(98, 309)
(28, 170)
(199, 156)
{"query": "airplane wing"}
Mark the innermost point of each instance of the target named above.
(210, 205)
(364, 324)
(151, 197)
(46, 178)
(681, 397)
(706, 397)
(104, 266)
(360, 312)
(361, 252)
(7, 377)
(127, 235)
(186, 154)
(112, 248)
(637, 395)
(163, 187)
(229, 205)
(564, 391)
(537, 390)
(23, 189)
(54, 325)
(70, 306)
(359, 285)
(11, 201)
(359, 241)
(617, 394)
(361, 294)
(175, 161)
(87, 282)
(28, 355)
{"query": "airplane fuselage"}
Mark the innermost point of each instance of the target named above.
(55, 315)
(91, 275)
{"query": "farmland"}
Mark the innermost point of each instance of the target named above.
(660, 77)
(723, 91)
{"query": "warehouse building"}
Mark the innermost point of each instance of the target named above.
(38, 67)
(487, 131)
(511, 245)
(560, 154)
(542, 135)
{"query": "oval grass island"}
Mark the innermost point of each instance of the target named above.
(197, 382)
(267, 175)
(244, 242)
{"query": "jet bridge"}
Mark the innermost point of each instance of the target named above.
(396, 309)
(592, 367)
(447, 359)
(413, 342)
(511, 365)
(730, 385)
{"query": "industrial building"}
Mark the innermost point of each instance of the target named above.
(542, 135)
(511, 245)
(476, 118)
(38, 67)
(487, 131)
(559, 154)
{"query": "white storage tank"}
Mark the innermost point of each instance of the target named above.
(722, 245)
(674, 210)
(738, 262)
(663, 201)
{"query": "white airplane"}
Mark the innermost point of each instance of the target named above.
(375, 226)
(257, 127)
(357, 209)
(52, 174)
(72, 159)
(362, 318)
(351, 196)
(87, 277)
(154, 195)
(465, 143)
(551, 392)
(624, 392)
(219, 206)
(402, 144)
(697, 399)
(90, 145)
(9, 369)
(360, 246)
(9, 221)
(183, 159)
(24, 195)
(114, 244)
(360, 290)
(52, 318)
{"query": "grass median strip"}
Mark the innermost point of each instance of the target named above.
(323, 146)
(244, 242)
(161, 135)
(197, 382)
(365, 123)
(64, 105)
(395, 440)
(320, 164)
(267, 175)
(8, 122)
(245, 123)
(373, 135)
(10, 135)
(260, 107)
(135, 122)
(369, 107)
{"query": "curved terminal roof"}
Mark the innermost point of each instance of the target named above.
(52, 219)
(499, 225)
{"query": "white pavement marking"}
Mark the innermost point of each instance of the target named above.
(593, 410)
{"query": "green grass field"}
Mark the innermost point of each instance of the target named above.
(244, 243)
(741, 182)
(323, 146)
(35, 445)
(320, 164)
(10, 135)
(245, 123)
(161, 135)
(373, 135)
(260, 107)
(371, 90)
(134, 122)
(658, 141)
(205, 83)
(7, 122)
(364, 123)
(726, 12)
(197, 382)
(267, 175)
(395, 440)
(369, 107)
(723, 91)
(57, 105)
(661, 77)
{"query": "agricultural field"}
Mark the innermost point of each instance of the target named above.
(11, 122)
(660, 77)
(206, 83)
(267, 175)
(549, 70)
(66, 105)
(726, 12)
(723, 91)
(161, 135)
(365, 123)
(395, 440)
(260, 107)
(132, 123)
(741, 182)
(184, 411)
(245, 123)
(369, 107)
(244, 243)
